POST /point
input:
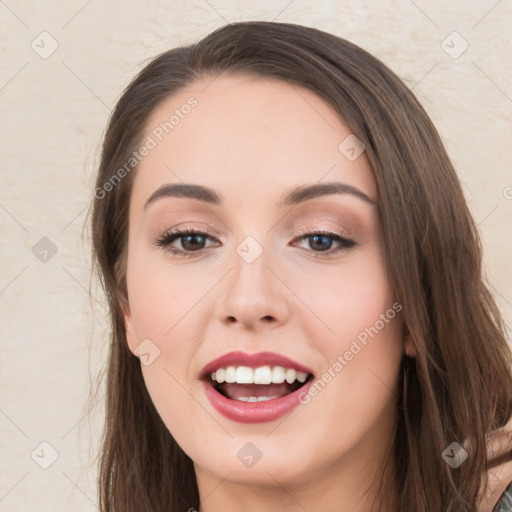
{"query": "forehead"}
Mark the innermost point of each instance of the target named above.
(249, 137)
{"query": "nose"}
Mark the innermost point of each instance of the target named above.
(252, 296)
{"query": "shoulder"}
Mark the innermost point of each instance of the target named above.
(505, 502)
(496, 495)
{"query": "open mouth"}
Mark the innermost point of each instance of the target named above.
(256, 385)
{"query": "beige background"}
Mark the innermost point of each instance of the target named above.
(53, 113)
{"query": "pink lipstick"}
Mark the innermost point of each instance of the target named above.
(255, 388)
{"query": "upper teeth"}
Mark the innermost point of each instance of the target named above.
(260, 375)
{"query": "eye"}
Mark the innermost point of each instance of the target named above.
(322, 242)
(191, 240)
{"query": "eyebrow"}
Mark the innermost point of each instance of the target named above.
(293, 197)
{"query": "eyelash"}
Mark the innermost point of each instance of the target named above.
(167, 238)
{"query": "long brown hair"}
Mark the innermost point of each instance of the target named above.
(457, 389)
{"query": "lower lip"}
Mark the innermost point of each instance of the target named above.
(254, 412)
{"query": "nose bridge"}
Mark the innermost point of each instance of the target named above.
(252, 295)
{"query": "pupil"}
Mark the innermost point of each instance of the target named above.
(324, 238)
(193, 240)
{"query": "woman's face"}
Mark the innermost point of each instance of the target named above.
(252, 280)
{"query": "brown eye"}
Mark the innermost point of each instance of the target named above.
(320, 242)
(191, 241)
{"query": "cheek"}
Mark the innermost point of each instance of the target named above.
(346, 297)
(161, 295)
(359, 333)
(166, 308)
(159, 301)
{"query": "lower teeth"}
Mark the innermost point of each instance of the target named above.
(255, 398)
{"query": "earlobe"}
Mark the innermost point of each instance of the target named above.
(131, 338)
(409, 348)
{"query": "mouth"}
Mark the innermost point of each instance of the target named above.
(261, 384)
(255, 388)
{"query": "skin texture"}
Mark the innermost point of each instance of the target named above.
(252, 139)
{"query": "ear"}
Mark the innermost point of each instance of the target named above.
(409, 348)
(131, 337)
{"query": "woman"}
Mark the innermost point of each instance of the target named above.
(299, 320)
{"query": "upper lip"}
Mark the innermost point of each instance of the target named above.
(239, 358)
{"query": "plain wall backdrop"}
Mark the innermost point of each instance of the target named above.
(63, 65)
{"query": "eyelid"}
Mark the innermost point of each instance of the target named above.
(191, 227)
(316, 229)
